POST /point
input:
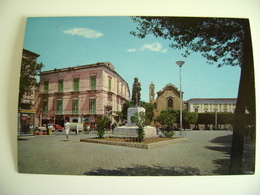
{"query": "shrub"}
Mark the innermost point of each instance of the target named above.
(168, 133)
(139, 120)
(101, 125)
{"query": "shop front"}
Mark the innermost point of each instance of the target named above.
(26, 121)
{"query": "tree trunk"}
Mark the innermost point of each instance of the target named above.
(245, 99)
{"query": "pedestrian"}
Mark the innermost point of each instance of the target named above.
(67, 129)
(157, 130)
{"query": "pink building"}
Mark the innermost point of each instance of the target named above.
(81, 93)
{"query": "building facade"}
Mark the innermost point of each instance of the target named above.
(27, 104)
(211, 105)
(81, 93)
(202, 105)
(168, 97)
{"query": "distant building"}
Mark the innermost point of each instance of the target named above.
(202, 105)
(168, 97)
(211, 105)
(26, 112)
(81, 93)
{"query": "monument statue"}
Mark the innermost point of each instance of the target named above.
(136, 95)
(131, 129)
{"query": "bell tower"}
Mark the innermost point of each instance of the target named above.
(151, 93)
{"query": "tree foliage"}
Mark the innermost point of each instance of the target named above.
(219, 40)
(29, 70)
(189, 117)
(168, 117)
(148, 110)
(225, 117)
(222, 118)
(125, 106)
(206, 118)
(118, 116)
(222, 41)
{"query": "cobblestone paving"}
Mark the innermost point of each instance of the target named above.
(204, 153)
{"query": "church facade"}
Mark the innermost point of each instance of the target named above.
(167, 98)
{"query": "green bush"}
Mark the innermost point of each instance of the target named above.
(139, 120)
(168, 134)
(101, 125)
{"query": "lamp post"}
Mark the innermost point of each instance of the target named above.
(180, 63)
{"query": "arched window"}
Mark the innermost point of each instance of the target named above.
(170, 103)
(155, 106)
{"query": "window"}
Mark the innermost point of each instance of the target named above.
(92, 106)
(225, 107)
(170, 103)
(109, 97)
(93, 82)
(59, 106)
(75, 107)
(45, 106)
(60, 85)
(46, 87)
(109, 83)
(76, 84)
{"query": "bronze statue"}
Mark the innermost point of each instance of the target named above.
(136, 95)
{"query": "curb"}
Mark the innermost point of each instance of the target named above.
(135, 145)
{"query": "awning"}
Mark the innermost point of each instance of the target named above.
(27, 111)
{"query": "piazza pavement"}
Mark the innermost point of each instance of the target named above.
(203, 153)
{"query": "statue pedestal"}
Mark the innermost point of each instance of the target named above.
(131, 111)
(131, 129)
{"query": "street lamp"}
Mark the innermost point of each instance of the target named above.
(180, 63)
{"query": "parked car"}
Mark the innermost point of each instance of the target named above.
(74, 126)
(57, 127)
(42, 128)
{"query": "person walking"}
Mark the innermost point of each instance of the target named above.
(67, 129)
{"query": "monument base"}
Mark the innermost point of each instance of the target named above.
(131, 112)
(131, 131)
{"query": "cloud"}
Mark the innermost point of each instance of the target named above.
(85, 32)
(131, 50)
(154, 47)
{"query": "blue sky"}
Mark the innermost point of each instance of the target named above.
(70, 41)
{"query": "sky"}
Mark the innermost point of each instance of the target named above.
(70, 41)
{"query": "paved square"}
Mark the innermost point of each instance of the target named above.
(204, 153)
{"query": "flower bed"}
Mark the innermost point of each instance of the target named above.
(133, 142)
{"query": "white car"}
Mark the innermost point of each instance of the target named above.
(42, 128)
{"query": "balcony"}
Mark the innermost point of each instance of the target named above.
(58, 93)
(74, 92)
(43, 92)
